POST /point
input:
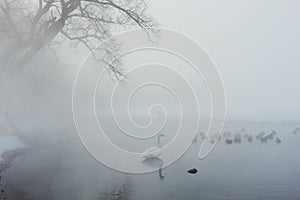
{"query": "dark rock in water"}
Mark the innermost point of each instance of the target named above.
(228, 141)
(192, 171)
(278, 140)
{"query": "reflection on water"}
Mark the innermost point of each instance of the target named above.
(241, 170)
(155, 163)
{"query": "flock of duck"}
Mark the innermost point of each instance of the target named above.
(151, 156)
(230, 138)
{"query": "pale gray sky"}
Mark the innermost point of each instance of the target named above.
(255, 44)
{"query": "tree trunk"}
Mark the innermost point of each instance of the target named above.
(45, 39)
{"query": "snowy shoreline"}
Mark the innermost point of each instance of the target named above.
(9, 145)
(10, 148)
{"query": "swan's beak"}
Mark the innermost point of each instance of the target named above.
(162, 135)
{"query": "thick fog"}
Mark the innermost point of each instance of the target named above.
(255, 44)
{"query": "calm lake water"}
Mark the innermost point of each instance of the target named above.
(248, 171)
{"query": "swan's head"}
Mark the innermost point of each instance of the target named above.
(161, 135)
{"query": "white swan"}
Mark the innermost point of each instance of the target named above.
(154, 151)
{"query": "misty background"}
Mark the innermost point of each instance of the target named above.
(255, 45)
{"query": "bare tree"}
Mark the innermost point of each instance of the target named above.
(31, 25)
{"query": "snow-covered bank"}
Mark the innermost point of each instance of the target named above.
(9, 143)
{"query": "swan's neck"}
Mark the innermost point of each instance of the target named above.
(158, 141)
